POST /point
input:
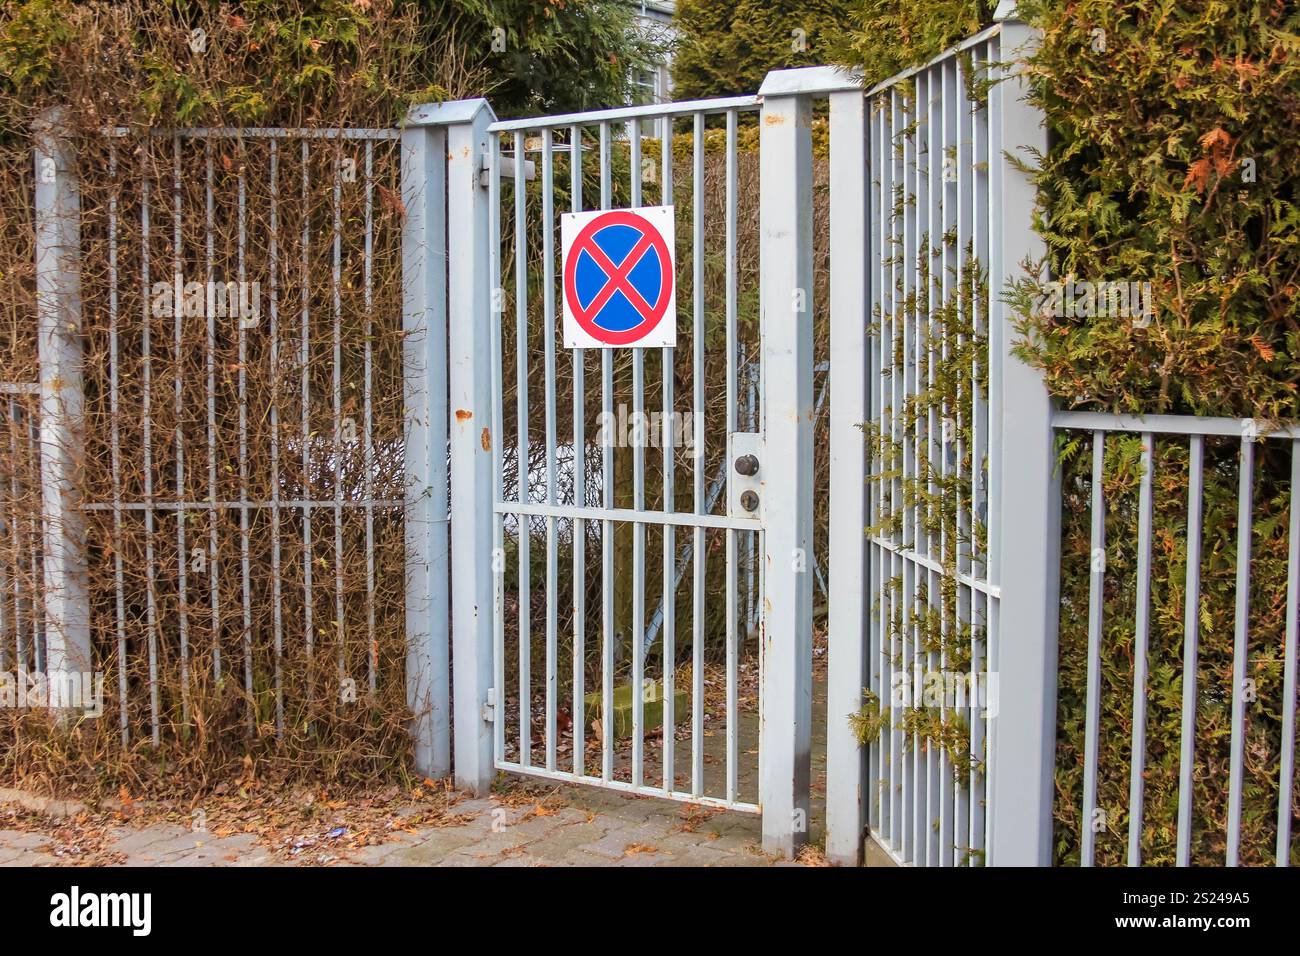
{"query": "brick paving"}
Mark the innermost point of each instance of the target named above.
(567, 826)
(527, 823)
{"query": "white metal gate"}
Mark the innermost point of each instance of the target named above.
(571, 495)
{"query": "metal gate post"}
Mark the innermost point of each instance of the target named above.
(58, 301)
(424, 372)
(1025, 556)
(848, 670)
(469, 296)
(786, 286)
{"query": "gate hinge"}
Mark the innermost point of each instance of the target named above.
(489, 711)
(506, 164)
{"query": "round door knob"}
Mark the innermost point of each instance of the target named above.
(749, 501)
(747, 465)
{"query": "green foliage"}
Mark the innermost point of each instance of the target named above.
(559, 55)
(725, 49)
(887, 36)
(298, 62)
(30, 43)
(870, 720)
(1172, 161)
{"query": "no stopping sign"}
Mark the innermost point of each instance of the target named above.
(618, 268)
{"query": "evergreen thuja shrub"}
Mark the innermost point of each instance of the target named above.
(725, 49)
(888, 36)
(1172, 161)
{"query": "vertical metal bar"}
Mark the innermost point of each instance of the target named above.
(368, 423)
(914, 837)
(40, 612)
(638, 501)
(940, 840)
(580, 499)
(748, 375)
(1240, 645)
(848, 668)
(474, 366)
(307, 492)
(907, 430)
(874, 591)
(907, 374)
(115, 439)
(336, 395)
(968, 517)
(1024, 492)
(178, 409)
(524, 468)
(65, 596)
(1096, 598)
(1141, 629)
(424, 362)
(497, 443)
(6, 519)
(897, 360)
(697, 470)
(986, 469)
(20, 649)
(607, 526)
(1191, 641)
(210, 390)
(151, 611)
(786, 268)
(670, 477)
(733, 345)
(245, 567)
(956, 445)
(1286, 771)
(277, 590)
(548, 347)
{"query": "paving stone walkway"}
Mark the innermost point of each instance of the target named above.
(525, 827)
(525, 823)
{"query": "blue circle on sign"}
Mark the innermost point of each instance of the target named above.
(618, 314)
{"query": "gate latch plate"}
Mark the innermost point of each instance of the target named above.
(740, 444)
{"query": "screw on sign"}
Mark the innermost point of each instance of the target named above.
(619, 288)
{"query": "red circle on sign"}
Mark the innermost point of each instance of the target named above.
(651, 313)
